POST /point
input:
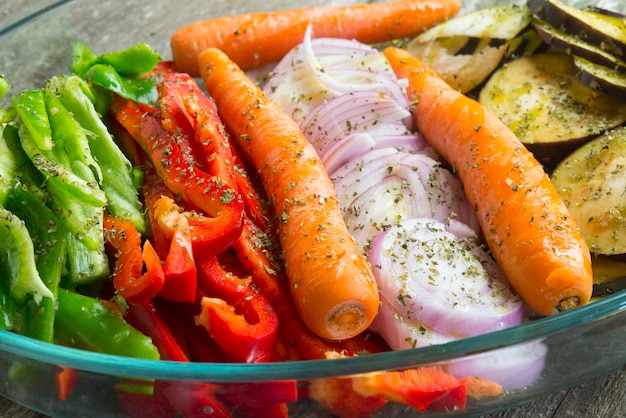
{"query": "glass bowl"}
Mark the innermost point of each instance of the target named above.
(539, 357)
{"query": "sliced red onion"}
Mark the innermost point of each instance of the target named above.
(355, 145)
(513, 367)
(297, 83)
(383, 187)
(431, 277)
(404, 335)
(362, 111)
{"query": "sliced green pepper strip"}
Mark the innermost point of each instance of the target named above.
(7, 308)
(89, 324)
(141, 90)
(50, 243)
(117, 173)
(14, 163)
(83, 58)
(35, 132)
(57, 146)
(134, 61)
(8, 165)
(18, 255)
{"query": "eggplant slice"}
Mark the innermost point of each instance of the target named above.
(599, 29)
(466, 49)
(548, 108)
(591, 182)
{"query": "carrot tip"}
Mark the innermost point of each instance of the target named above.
(568, 303)
(346, 320)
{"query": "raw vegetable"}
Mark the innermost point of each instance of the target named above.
(434, 281)
(608, 275)
(381, 188)
(240, 318)
(601, 78)
(330, 280)
(466, 48)
(50, 245)
(577, 47)
(526, 224)
(18, 258)
(198, 187)
(591, 183)
(604, 31)
(129, 278)
(190, 399)
(87, 323)
(5, 86)
(117, 177)
(551, 112)
(251, 40)
(57, 145)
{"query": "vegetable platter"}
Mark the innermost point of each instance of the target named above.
(293, 359)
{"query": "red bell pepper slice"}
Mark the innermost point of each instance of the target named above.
(256, 204)
(180, 269)
(251, 335)
(65, 380)
(153, 189)
(222, 205)
(128, 279)
(420, 388)
(337, 396)
(146, 318)
(215, 281)
(186, 110)
(238, 317)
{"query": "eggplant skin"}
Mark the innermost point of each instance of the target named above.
(591, 182)
(599, 29)
(601, 78)
(551, 111)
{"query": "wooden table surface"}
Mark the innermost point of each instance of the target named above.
(603, 396)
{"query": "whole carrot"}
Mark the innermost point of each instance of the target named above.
(330, 280)
(526, 225)
(260, 38)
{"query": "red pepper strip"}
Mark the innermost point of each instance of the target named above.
(419, 388)
(65, 380)
(186, 109)
(478, 388)
(337, 396)
(214, 233)
(190, 399)
(137, 402)
(130, 259)
(180, 269)
(193, 399)
(261, 410)
(258, 394)
(251, 335)
(200, 345)
(146, 318)
(153, 189)
(213, 280)
(257, 206)
(160, 70)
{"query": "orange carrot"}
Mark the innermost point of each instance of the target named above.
(260, 38)
(526, 225)
(330, 280)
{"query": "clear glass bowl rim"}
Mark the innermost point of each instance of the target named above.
(239, 372)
